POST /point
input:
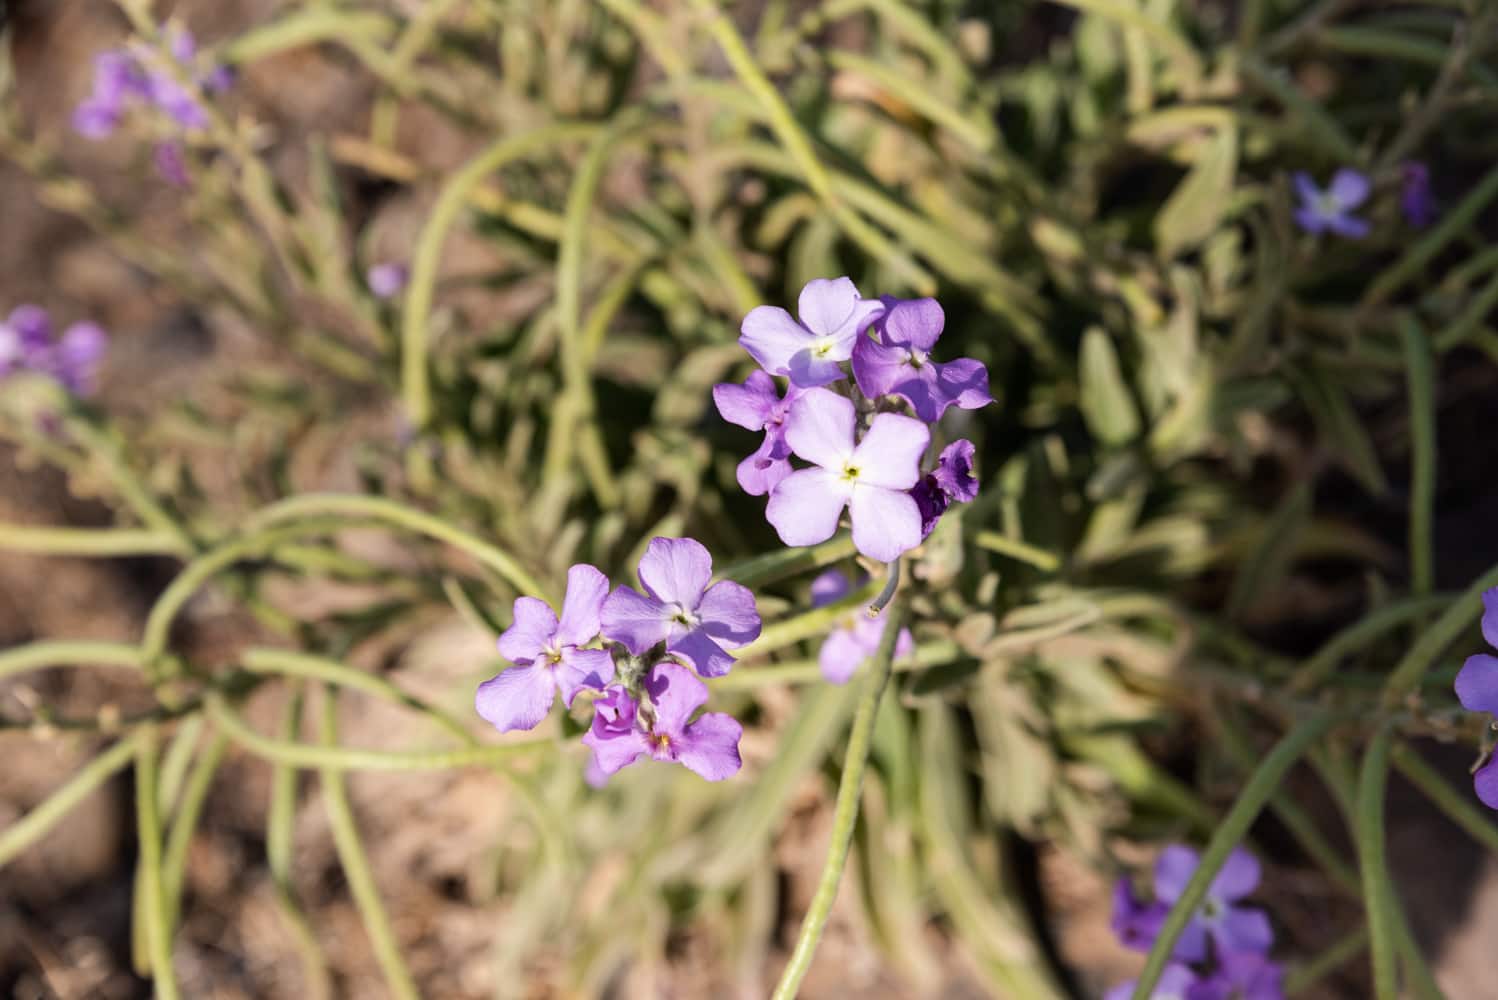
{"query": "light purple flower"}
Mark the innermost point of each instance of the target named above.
(695, 621)
(387, 280)
(1234, 929)
(27, 343)
(75, 357)
(1477, 690)
(1331, 210)
(833, 316)
(135, 75)
(849, 646)
(624, 731)
(756, 405)
(1176, 983)
(1135, 922)
(952, 481)
(899, 362)
(548, 655)
(870, 477)
(1414, 195)
(1245, 976)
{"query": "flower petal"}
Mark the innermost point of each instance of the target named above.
(1485, 783)
(729, 614)
(1310, 220)
(1191, 946)
(890, 453)
(1238, 876)
(885, 522)
(676, 570)
(518, 698)
(962, 383)
(1349, 187)
(613, 753)
(636, 621)
(840, 656)
(1349, 226)
(772, 338)
(1305, 187)
(703, 654)
(826, 304)
(583, 668)
(1477, 683)
(586, 589)
(805, 506)
(819, 428)
(878, 369)
(915, 323)
(1242, 929)
(954, 471)
(808, 370)
(829, 586)
(710, 746)
(1173, 869)
(762, 471)
(748, 405)
(530, 633)
(676, 693)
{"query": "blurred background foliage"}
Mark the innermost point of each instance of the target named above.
(1210, 499)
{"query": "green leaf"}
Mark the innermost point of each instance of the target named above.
(1195, 209)
(1106, 404)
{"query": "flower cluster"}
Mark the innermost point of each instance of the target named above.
(644, 653)
(135, 76)
(1331, 210)
(1226, 943)
(862, 455)
(29, 343)
(1477, 690)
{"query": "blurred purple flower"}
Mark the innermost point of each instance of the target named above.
(1415, 199)
(952, 481)
(1234, 929)
(1135, 922)
(1243, 976)
(547, 654)
(135, 75)
(833, 316)
(848, 647)
(1176, 983)
(27, 343)
(757, 405)
(870, 477)
(623, 731)
(1477, 690)
(1331, 210)
(171, 164)
(899, 362)
(387, 280)
(695, 621)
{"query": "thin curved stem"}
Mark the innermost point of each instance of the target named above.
(153, 906)
(103, 542)
(1378, 893)
(845, 815)
(35, 825)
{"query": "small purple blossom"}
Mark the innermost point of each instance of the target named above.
(136, 76)
(1244, 976)
(1176, 983)
(1233, 928)
(1135, 922)
(1331, 210)
(849, 646)
(695, 621)
(898, 363)
(833, 316)
(624, 730)
(547, 654)
(27, 343)
(870, 477)
(1415, 199)
(388, 279)
(1477, 690)
(952, 481)
(756, 405)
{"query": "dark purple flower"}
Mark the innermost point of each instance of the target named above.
(695, 621)
(1176, 983)
(1234, 929)
(623, 731)
(1414, 195)
(1477, 690)
(849, 646)
(1135, 922)
(388, 280)
(810, 352)
(548, 655)
(171, 164)
(1245, 976)
(756, 405)
(870, 477)
(1331, 210)
(899, 362)
(952, 481)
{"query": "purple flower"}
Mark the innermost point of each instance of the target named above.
(387, 280)
(899, 362)
(695, 621)
(1234, 929)
(623, 731)
(1136, 922)
(27, 343)
(75, 357)
(1176, 983)
(756, 405)
(548, 655)
(1414, 195)
(1245, 976)
(118, 79)
(1477, 690)
(123, 77)
(871, 477)
(1331, 210)
(850, 645)
(952, 481)
(810, 352)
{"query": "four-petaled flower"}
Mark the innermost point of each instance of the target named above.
(899, 362)
(870, 477)
(1176, 983)
(756, 405)
(548, 654)
(623, 730)
(1234, 928)
(1331, 210)
(1477, 690)
(850, 645)
(695, 621)
(833, 316)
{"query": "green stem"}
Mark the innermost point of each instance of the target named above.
(195, 794)
(1421, 381)
(102, 542)
(154, 907)
(40, 820)
(1371, 626)
(845, 814)
(1017, 550)
(1256, 793)
(1378, 893)
(67, 652)
(747, 677)
(1435, 639)
(757, 571)
(1341, 951)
